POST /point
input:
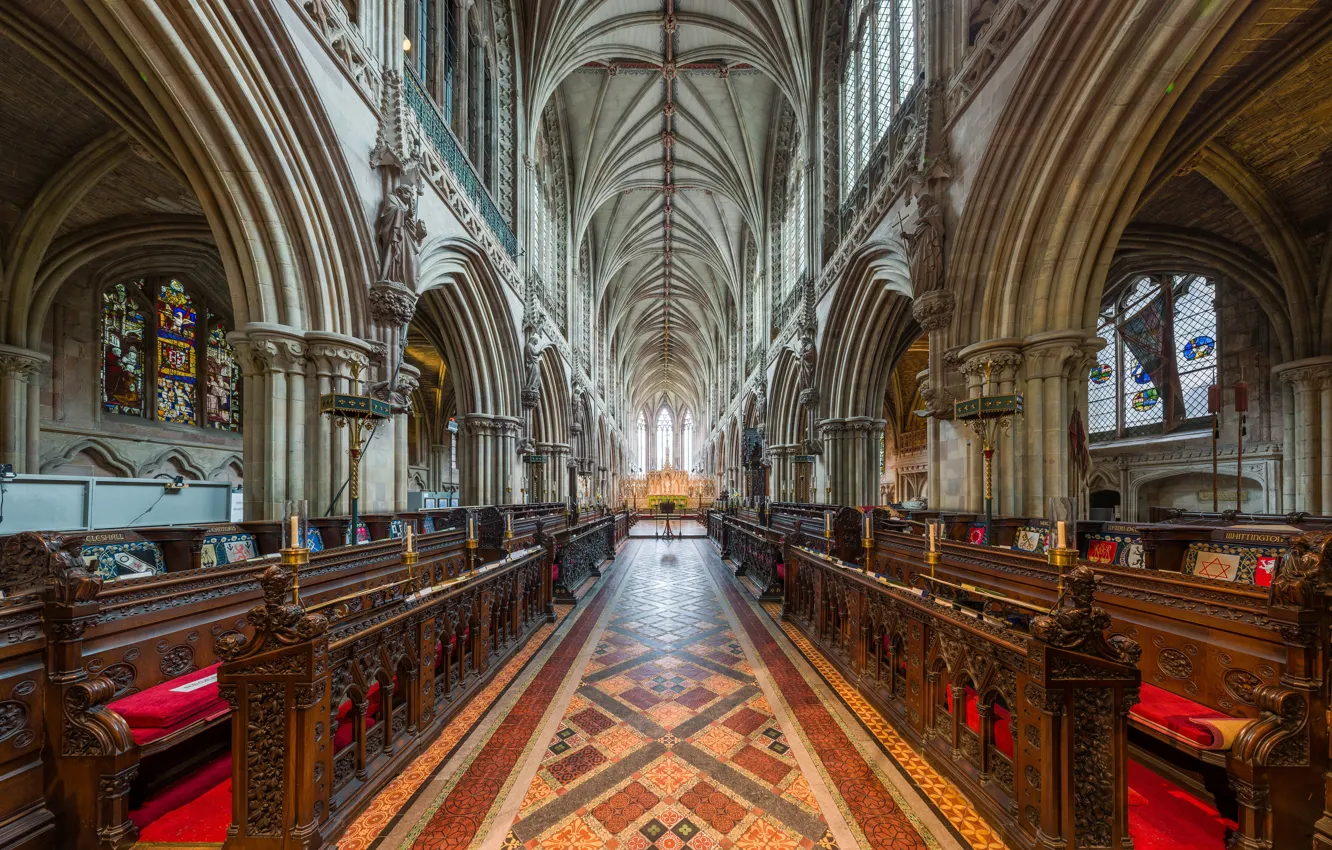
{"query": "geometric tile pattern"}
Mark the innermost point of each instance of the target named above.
(872, 806)
(945, 796)
(378, 815)
(668, 742)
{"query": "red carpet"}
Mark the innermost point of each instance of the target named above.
(1164, 817)
(195, 809)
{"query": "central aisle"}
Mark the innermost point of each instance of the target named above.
(671, 714)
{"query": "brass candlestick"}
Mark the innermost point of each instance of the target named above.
(293, 559)
(1061, 560)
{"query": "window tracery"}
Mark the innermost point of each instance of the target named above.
(1159, 359)
(665, 438)
(641, 428)
(882, 67)
(176, 361)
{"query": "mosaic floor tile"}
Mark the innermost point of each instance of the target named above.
(667, 742)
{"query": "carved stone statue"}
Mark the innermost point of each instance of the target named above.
(808, 359)
(925, 246)
(400, 234)
(532, 363)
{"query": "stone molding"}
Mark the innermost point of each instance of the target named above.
(1311, 373)
(850, 425)
(933, 311)
(481, 424)
(332, 354)
(1068, 354)
(21, 362)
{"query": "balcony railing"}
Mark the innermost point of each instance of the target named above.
(788, 305)
(441, 136)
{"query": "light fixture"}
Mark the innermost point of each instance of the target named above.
(406, 45)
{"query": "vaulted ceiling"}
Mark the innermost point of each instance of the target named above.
(667, 110)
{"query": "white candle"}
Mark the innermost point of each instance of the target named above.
(409, 538)
(869, 525)
(933, 529)
(471, 527)
(1063, 541)
(295, 538)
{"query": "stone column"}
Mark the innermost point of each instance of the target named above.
(330, 359)
(20, 407)
(489, 448)
(273, 361)
(1307, 470)
(439, 466)
(409, 378)
(1057, 364)
(1004, 361)
(850, 448)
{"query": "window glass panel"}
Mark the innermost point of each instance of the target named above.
(450, 57)
(906, 47)
(883, 67)
(223, 393)
(687, 451)
(864, 91)
(175, 355)
(1195, 341)
(665, 436)
(124, 359)
(1101, 385)
(642, 441)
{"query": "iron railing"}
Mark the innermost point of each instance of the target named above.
(441, 136)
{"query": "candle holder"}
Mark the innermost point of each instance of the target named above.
(361, 415)
(295, 551)
(986, 415)
(1061, 552)
(410, 557)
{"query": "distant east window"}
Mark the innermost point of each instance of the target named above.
(1159, 359)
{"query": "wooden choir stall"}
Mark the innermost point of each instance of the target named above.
(199, 675)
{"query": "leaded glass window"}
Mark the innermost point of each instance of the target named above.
(176, 363)
(223, 391)
(1160, 357)
(687, 449)
(642, 441)
(665, 437)
(793, 229)
(882, 67)
(124, 359)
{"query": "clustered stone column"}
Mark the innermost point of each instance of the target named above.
(851, 458)
(1004, 360)
(486, 458)
(330, 360)
(272, 360)
(933, 311)
(20, 408)
(553, 473)
(1307, 438)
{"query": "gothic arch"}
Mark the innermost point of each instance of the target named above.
(105, 451)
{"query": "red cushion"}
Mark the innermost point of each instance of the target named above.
(179, 795)
(781, 571)
(160, 710)
(555, 572)
(1173, 713)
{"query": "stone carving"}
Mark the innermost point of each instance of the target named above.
(924, 246)
(392, 303)
(400, 233)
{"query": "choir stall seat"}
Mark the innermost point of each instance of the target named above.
(172, 710)
(1188, 725)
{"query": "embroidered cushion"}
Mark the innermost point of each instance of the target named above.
(316, 540)
(396, 529)
(1030, 538)
(1123, 550)
(223, 549)
(1231, 562)
(427, 524)
(124, 559)
(976, 533)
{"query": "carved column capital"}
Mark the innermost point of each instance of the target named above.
(266, 349)
(20, 362)
(332, 354)
(1312, 373)
(1066, 354)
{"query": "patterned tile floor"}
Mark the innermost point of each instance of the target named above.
(667, 717)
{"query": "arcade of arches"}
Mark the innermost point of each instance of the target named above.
(757, 249)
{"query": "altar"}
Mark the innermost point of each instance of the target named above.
(666, 485)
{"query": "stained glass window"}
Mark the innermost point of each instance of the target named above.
(687, 450)
(878, 76)
(665, 436)
(642, 441)
(176, 367)
(1159, 360)
(124, 359)
(793, 229)
(223, 391)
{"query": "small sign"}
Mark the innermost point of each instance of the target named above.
(803, 458)
(196, 685)
(1227, 496)
(534, 459)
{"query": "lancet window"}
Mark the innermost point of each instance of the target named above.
(882, 67)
